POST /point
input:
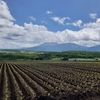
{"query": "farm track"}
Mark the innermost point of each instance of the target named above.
(49, 81)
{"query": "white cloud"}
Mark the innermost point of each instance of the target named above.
(43, 21)
(5, 23)
(93, 25)
(93, 15)
(16, 36)
(68, 18)
(30, 34)
(4, 11)
(87, 36)
(32, 18)
(77, 23)
(49, 12)
(59, 20)
(38, 33)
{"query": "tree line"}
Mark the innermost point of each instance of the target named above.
(48, 55)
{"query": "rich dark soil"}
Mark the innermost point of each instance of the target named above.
(50, 81)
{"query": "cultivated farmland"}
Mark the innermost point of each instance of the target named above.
(50, 81)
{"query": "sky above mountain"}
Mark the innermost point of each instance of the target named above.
(27, 23)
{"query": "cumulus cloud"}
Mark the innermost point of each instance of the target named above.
(16, 36)
(43, 21)
(77, 23)
(4, 11)
(89, 35)
(49, 12)
(32, 18)
(93, 15)
(93, 25)
(60, 20)
(38, 33)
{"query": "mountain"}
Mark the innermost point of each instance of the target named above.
(57, 47)
(94, 48)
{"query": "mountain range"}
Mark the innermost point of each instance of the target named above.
(63, 47)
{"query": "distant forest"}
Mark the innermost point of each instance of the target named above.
(26, 55)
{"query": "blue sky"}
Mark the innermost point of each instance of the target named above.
(26, 23)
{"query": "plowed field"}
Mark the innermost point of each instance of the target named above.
(50, 81)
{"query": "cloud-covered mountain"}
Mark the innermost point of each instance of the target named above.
(57, 47)
(53, 46)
